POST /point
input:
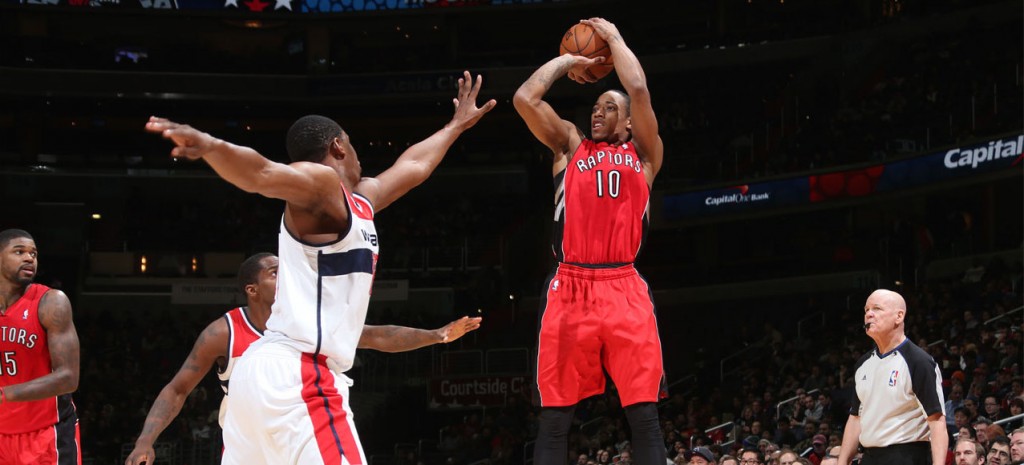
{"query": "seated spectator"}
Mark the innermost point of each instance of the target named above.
(788, 457)
(955, 400)
(751, 456)
(1016, 408)
(999, 451)
(992, 407)
(968, 452)
(817, 449)
(700, 456)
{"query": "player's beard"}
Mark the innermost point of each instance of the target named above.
(20, 280)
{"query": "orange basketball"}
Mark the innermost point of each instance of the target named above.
(581, 39)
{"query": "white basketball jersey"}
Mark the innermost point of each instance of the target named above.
(323, 289)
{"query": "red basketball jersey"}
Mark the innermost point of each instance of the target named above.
(601, 205)
(241, 334)
(24, 356)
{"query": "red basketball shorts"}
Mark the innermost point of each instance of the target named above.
(592, 321)
(53, 445)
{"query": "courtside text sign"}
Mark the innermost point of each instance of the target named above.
(476, 391)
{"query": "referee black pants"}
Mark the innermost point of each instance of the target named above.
(911, 453)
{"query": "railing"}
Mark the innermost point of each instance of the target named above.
(1008, 419)
(999, 422)
(732, 433)
(1005, 315)
(778, 406)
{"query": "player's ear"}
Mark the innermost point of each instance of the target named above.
(251, 290)
(337, 148)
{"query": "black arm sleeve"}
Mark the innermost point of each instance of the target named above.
(926, 379)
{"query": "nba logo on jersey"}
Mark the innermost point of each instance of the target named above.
(554, 285)
(24, 316)
(892, 377)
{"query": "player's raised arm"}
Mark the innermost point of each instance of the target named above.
(643, 122)
(209, 346)
(557, 134)
(301, 184)
(417, 163)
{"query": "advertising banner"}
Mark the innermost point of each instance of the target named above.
(955, 163)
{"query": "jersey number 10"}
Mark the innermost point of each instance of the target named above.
(613, 183)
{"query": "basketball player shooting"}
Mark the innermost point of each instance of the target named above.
(597, 314)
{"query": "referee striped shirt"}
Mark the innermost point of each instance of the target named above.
(896, 393)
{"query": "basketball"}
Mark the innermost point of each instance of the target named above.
(581, 39)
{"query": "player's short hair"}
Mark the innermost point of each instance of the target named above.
(249, 271)
(8, 235)
(309, 137)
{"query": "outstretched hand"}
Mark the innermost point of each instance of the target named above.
(466, 111)
(190, 143)
(458, 328)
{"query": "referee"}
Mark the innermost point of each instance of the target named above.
(897, 409)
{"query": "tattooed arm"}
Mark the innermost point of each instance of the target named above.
(62, 340)
(210, 347)
(559, 135)
(403, 339)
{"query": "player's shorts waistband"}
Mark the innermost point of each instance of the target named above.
(596, 273)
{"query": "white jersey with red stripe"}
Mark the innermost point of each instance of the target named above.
(323, 290)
